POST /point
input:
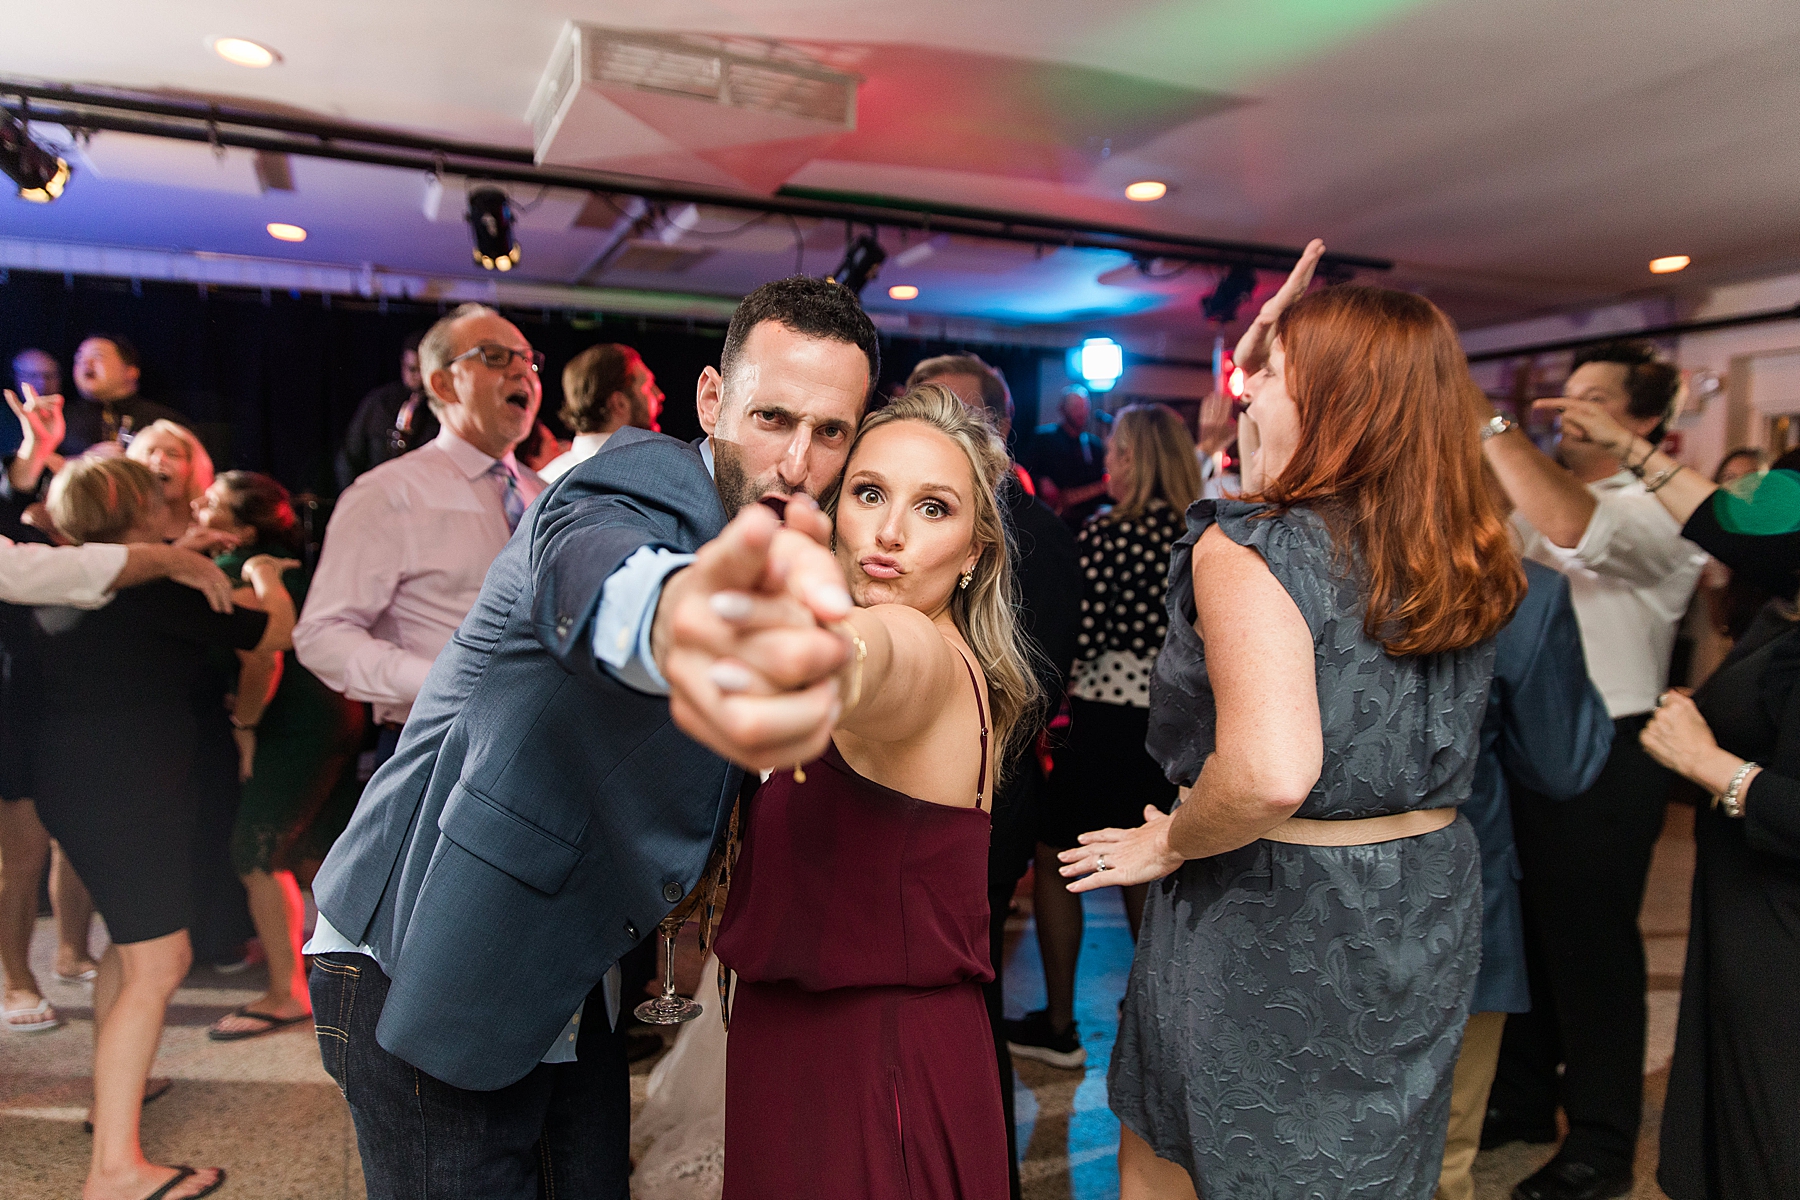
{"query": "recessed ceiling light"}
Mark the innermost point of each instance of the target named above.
(1672, 262)
(903, 291)
(245, 53)
(1146, 189)
(286, 233)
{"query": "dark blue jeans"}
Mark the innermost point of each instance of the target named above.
(561, 1132)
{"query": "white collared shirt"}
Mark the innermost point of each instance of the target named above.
(75, 576)
(405, 554)
(1630, 579)
(584, 447)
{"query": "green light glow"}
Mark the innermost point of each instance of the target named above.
(1227, 43)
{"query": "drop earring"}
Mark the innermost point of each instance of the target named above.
(966, 577)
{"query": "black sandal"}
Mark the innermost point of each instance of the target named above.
(183, 1173)
(216, 1034)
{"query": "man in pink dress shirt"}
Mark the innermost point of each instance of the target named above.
(411, 541)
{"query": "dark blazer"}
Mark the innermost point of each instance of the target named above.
(1547, 727)
(539, 817)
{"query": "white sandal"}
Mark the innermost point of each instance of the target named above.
(43, 1009)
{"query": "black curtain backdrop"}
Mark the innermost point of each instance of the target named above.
(282, 372)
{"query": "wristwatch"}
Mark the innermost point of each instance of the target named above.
(1497, 425)
(1731, 799)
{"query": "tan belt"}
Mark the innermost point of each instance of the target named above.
(1303, 831)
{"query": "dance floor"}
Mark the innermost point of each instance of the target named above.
(263, 1108)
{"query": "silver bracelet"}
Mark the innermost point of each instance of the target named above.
(1730, 799)
(1654, 485)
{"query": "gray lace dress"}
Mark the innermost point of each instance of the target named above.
(1295, 1012)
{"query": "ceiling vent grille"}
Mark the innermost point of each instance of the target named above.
(606, 89)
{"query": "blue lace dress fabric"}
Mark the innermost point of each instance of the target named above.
(1294, 1012)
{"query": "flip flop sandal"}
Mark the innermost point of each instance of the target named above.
(274, 1023)
(42, 1009)
(183, 1173)
(154, 1089)
(87, 976)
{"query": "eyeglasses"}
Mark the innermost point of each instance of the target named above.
(500, 357)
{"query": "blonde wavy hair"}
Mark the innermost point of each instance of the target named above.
(985, 612)
(1164, 465)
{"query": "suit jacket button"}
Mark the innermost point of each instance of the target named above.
(631, 931)
(562, 625)
(672, 892)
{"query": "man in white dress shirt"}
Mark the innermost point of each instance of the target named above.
(605, 388)
(410, 541)
(1585, 861)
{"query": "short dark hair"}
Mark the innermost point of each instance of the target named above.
(996, 397)
(1650, 383)
(411, 341)
(815, 308)
(128, 351)
(589, 381)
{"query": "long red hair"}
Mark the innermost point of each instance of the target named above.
(1390, 456)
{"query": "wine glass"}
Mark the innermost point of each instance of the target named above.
(668, 1008)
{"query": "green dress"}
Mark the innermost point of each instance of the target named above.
(303, 787)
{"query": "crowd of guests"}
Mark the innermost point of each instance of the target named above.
(1376, 746)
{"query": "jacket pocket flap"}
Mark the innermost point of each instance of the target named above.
(505, 840)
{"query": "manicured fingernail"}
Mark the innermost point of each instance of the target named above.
(730, 606)
(829, 598)
(729, 677)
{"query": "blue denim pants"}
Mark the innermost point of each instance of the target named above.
(562, 1131)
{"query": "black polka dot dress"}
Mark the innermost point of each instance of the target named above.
(1103, 776)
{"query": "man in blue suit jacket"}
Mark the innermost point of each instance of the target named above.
(1546, 727)
(542, 811)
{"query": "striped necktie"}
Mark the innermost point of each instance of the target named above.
(511, 501)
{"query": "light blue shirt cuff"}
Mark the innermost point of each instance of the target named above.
(627, 611)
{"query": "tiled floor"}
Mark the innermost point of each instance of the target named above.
(265, 1110)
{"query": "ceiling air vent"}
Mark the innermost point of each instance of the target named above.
(687, 106)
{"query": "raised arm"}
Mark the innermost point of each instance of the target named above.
(1270, 748)
(1557, 504)
(42, 425)
(908, 672)
(1678, 489)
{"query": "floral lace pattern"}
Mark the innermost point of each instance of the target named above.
(1295, 1012)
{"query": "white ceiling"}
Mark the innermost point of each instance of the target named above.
(1512, 156)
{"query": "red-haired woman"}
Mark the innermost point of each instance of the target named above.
(1306, 961)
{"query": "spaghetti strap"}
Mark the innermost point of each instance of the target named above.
(981, 783)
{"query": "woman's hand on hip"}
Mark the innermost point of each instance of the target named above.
(1121, 857)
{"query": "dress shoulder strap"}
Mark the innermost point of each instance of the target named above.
(981, 783)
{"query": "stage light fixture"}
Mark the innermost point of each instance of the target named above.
(491, 221)
(1669, 264)
(40, 174)
(245, 53)
(903, 291)
(281, 231)
(862, 263)
(1145, 190)
(1099, 361)
(1224, 301)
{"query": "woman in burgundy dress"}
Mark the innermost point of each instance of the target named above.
(860, 1060)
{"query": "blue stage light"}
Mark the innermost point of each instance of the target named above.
(1099, 362)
